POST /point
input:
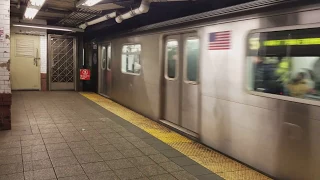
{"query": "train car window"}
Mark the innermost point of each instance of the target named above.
(109, 57)
(131, 59)
(172, 57)
(192, 58)
(285, 63)
(103, 58)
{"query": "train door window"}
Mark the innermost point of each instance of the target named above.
(191, 58)
(109, 57)
(103, 57)
(172, 57)
(285, 63)
(131, 59)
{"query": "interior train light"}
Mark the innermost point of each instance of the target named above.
(33, 8)
(91, 2)
(30, 12)
(37, 2)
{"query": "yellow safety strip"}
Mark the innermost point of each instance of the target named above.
(212, 160)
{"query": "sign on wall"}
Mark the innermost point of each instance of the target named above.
(24, 48)
(84, 74)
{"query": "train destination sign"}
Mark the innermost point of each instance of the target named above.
(292, 42)
(255, 43)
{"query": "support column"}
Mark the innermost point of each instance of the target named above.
(5, 85)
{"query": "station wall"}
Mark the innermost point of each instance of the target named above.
(5, 87)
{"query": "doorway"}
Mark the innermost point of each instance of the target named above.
(62, 62)
(105, 69)
(25, 62)
(181, 82)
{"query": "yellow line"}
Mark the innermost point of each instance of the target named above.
(212, 160)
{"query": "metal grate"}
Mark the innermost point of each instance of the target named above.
(79, 16)
(63, 61)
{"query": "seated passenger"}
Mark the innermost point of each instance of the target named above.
(298, 87)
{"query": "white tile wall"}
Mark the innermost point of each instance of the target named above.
(43, 53)
(5, 86)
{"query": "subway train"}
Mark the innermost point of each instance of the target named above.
(246, 84)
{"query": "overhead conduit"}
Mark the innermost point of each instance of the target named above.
(143, 8)
(98, 20)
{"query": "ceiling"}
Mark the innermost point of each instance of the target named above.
(65, 12)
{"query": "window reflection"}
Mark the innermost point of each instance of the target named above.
(286, 63)
(103, 58)
(109, 57)
(172, 58)
(131, 58)
(192, 57)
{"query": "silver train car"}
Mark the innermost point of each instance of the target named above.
(247, 86)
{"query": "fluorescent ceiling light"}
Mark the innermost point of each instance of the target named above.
(37, 2)
(91, 2)
(42, 27)
(30, 13)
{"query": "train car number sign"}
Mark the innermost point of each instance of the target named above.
(84, 74)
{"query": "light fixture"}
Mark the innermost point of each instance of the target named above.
(37, 2)
(57, 28)
(30, 12)
(91, 2)
(33, 8)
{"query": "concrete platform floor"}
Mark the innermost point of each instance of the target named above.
(62, 135)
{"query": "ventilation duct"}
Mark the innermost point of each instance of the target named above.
(144, 8)
(98, 20)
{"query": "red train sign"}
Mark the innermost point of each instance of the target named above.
(85, 74)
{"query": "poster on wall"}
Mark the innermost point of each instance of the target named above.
(2, 35)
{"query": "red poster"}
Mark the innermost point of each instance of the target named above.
(84, 74)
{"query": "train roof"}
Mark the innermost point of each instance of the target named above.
(248, 8)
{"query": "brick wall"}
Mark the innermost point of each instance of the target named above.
(5, 86)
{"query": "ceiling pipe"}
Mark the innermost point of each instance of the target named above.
(98, 20)
(144, 8)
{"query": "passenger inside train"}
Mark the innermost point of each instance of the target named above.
(277, 76)
(286, 63)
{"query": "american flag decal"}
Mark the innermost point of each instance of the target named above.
(219, 40)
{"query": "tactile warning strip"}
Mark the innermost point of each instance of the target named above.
(212, 160)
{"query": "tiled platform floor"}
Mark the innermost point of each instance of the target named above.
(61, 135)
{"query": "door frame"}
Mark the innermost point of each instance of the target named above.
(106, 44)
(49, 61)
(181, 74)
(39, 56)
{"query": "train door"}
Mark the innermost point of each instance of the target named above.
(180, 95)
(105, 69)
